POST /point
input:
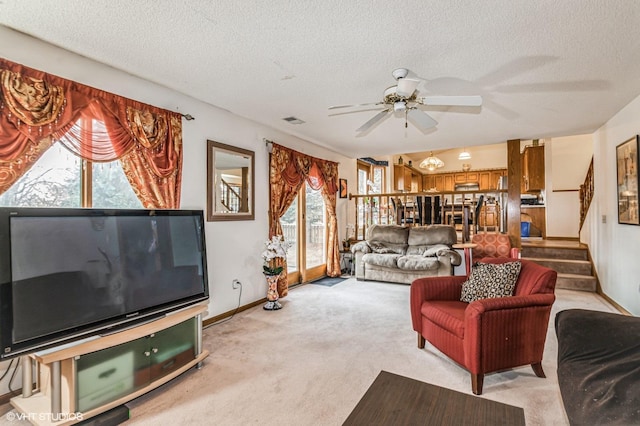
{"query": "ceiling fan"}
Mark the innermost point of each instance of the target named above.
(403, 97)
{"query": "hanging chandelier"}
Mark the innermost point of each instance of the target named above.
(431, 163)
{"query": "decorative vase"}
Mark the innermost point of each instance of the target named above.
(272, 293)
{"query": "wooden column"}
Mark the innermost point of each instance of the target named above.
(514, 176)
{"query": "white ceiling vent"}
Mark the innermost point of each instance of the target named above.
(293, 120)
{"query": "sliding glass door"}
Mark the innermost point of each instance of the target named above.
(305, 225)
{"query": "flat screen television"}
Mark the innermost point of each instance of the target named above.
(67, 274)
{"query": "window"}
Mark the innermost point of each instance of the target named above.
(60, 178)
(110, 187)
(53, 181)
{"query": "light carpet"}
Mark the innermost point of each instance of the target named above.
(312, 361)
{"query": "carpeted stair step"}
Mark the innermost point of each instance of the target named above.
(576, 282)
(565, 266)
(555, 252)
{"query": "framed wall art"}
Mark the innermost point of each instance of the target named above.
(343, 188)
(627, 172)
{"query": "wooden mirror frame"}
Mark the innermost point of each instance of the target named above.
(247, 177)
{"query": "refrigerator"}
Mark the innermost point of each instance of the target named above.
(502, 184)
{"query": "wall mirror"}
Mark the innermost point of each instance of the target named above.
(230, 182)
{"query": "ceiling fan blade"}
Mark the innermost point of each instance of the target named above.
(421, 119)
(369, 124)
(452, 100)
(354, 105)
(406, 87)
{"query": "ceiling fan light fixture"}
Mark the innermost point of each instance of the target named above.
(399, 106)
(431, 163)
(400, 73)
(464, 155)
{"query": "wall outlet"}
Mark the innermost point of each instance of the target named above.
(236, 284)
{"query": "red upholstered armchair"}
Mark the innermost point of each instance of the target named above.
(486, 335)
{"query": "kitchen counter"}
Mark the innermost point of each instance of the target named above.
(531, 206)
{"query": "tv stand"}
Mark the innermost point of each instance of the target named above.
(78, 381)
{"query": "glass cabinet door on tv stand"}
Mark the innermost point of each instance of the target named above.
(112, 373)
(94, 376)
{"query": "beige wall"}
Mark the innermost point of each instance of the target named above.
(233, 248)
(614, 246)
(566, 163)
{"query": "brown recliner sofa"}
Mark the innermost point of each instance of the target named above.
(400, 254)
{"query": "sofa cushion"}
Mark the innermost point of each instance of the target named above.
(448, 314)
(386, 260)
(418, 263)
(393, 234)
(383, 247)
(430, 235)
(422, 248)
(435, 249)
(489, 280)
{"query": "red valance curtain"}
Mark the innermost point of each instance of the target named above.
(38, 110)
(288, 171)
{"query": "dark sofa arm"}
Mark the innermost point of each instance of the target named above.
(599, 367)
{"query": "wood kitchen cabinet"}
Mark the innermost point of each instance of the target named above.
(428, 182)
(494, 179)
(460, 177)
(400, 181)
(448, 182)
(533, 168)
(444, 181)
(486, 179)
(472, 177)
(406, 179)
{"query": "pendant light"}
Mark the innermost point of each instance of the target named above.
(431, 163)
(464, 155)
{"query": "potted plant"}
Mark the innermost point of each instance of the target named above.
(274, 254)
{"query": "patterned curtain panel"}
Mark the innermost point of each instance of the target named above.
(38, 109)
(288, 170)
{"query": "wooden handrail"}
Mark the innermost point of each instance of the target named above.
(391, 208)
(230, 197)
(586, 194)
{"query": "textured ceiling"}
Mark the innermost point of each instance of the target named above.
(544, 68)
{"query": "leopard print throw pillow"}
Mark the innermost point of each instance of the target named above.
(489, 280)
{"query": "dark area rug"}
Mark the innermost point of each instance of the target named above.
(328, 281)
(398, 400)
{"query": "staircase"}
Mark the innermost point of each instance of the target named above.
(569, 259)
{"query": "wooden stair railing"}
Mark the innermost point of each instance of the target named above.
(230, 197)
(400, 208)
(586, 194)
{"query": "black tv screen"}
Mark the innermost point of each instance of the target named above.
(69, 273)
